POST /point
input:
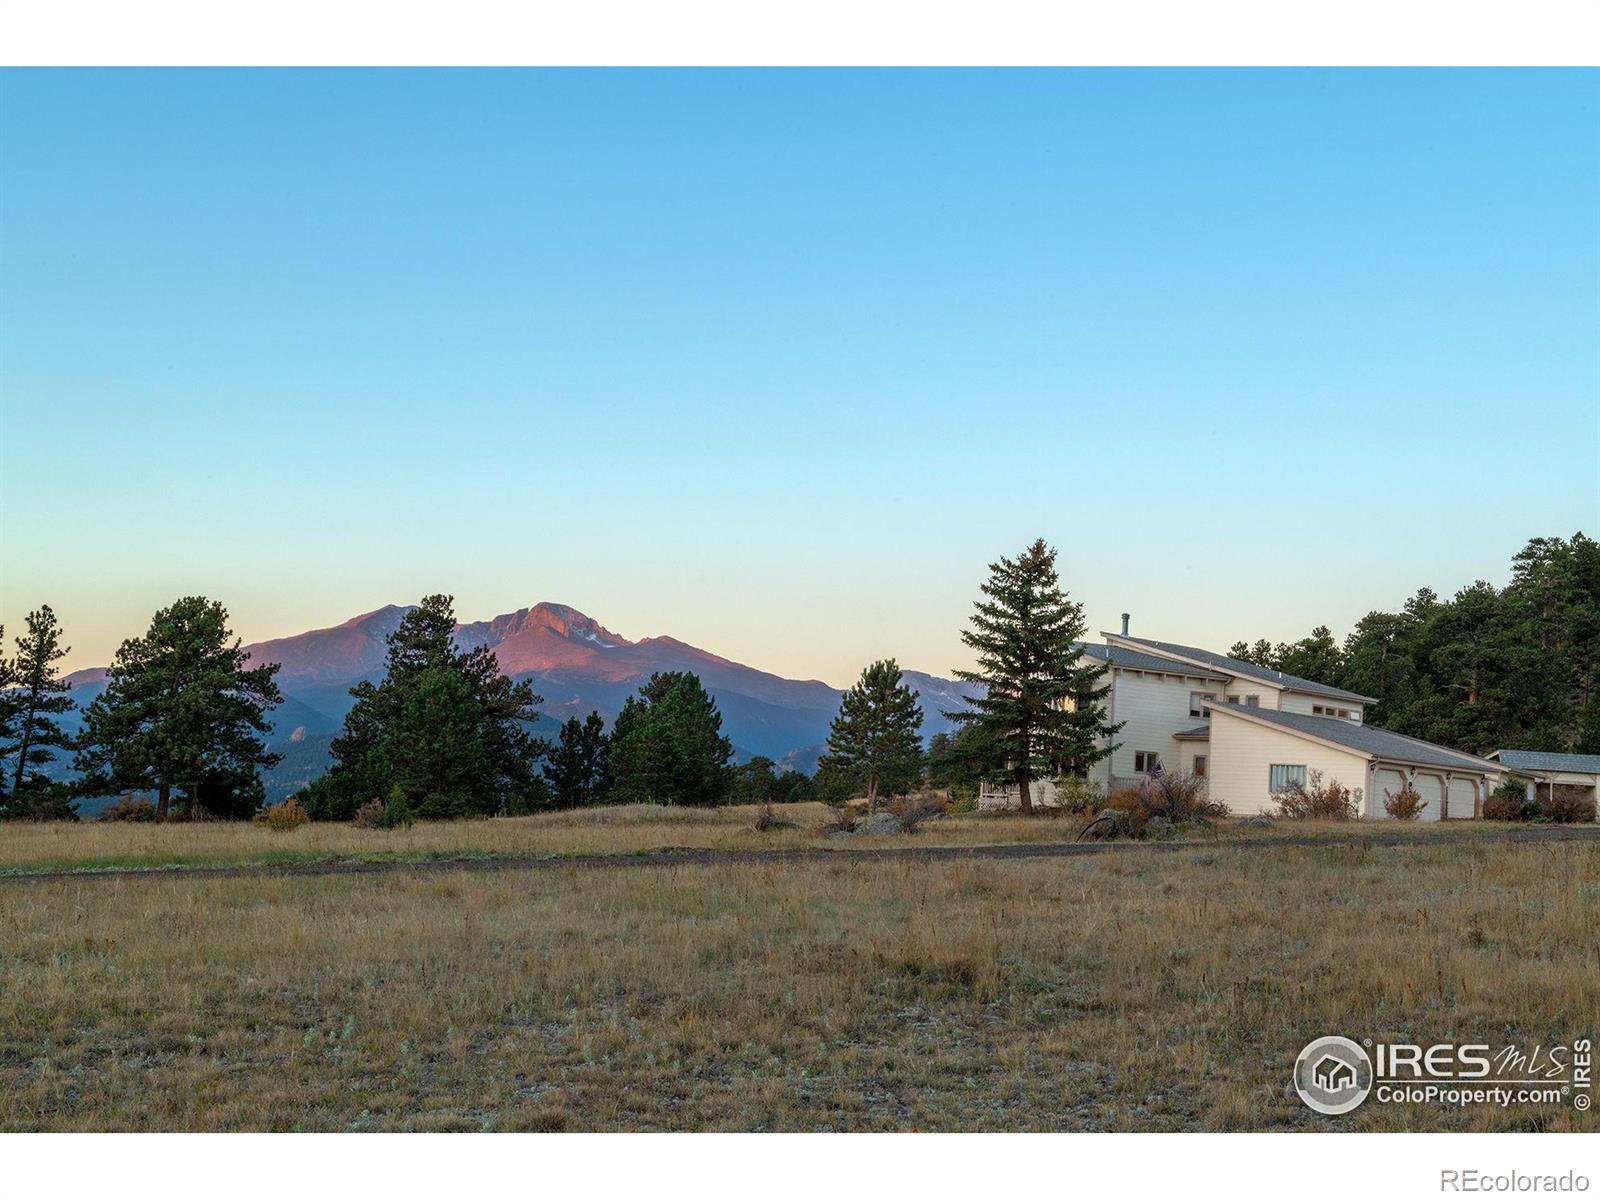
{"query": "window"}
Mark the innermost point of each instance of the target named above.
(1200, 766)
(1281, 775)
(1197, 702)
(1252, 701)
(1233, 699)
(1147, 762)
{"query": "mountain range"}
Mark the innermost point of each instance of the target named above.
(573, 661)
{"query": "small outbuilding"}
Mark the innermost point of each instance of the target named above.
(1543, 774)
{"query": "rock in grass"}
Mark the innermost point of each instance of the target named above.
(881, 823)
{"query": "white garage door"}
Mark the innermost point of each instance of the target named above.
(1431, 789)
(1462, 795)
(1384, 781)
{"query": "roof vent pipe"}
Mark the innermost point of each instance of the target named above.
(1124, 624)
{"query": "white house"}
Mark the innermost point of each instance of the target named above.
(1539, 772)
(1249, 731)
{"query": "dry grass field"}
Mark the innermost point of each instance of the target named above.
(634, 829)
(1123, 991)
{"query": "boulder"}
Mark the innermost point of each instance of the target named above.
(1258, 821)
(1159, 827)
(882, 822)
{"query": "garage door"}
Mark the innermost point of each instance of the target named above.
(1431, 789)
(1462, 795)
(1384, 781)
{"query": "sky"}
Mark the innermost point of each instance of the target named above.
(778, 362)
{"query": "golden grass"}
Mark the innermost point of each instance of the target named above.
(1124, 991)
(624, 830)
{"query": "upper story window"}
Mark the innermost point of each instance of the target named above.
(1198, 701)
(1329, 710)
(1252, 701)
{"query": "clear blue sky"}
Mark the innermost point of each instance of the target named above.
(777, 362)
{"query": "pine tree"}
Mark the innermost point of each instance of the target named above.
(1042, 706)
(445, 728)
(182, 710)
(876, 738)
(667, 745)
(39, 698)
(577, 762)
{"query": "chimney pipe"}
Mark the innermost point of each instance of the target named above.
(1124, 624)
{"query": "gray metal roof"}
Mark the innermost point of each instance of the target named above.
(1363, 739)
(1539, 760)
(1121, 656)
(1197, 734)
(1237, 667)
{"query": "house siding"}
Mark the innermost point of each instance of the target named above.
(1152, 710)
(1243, 752)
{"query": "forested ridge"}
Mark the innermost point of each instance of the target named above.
(1489, 668)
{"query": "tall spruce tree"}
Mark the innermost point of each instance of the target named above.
(667, 745)
(577, 762)
(445, 729)
(35, 736)
(1042, 708)
(183, 710)
(876, 738)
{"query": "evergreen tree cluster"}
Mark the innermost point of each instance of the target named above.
(667, 746)
(1517, 666)
(444, 734)
(183, 712)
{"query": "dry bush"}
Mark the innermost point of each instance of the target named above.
(1508, 802)
(842, 818)
(913, 811)
(369, 815)
(1174, 795)
(281, 818)
(1404, 805)
(1180, 796)
(129, 808)
(1316, 801)
(767, 819)
(1569, 805)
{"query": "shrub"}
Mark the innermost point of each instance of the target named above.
(1404, 805)
(1180, 796)
(369, 815)
(1509, 802)
(1316, 801)
(912, 812)
(963, 799)
(397, 813)
(842, 818)
(1569, 805)
(129, 808)
(767, 819)
(280, 818)
(1074, 795)
(1173, 795)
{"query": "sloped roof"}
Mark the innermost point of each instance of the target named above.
(1539, 760)
(1121, 656)
(1199, 733)
(1238, 667)
(1363, 739)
